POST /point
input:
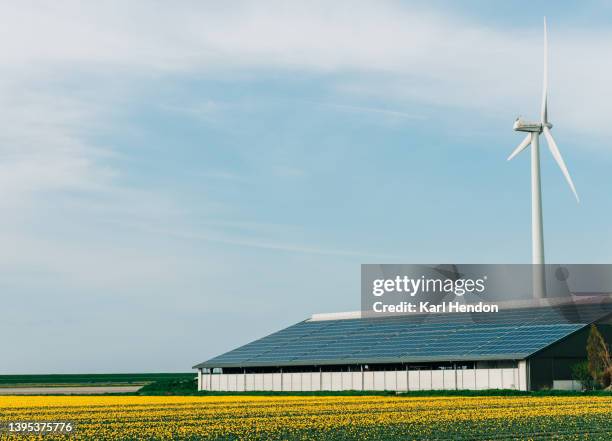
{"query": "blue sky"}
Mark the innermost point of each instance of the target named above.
(176, 180)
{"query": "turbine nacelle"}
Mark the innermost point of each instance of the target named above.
(520, 125)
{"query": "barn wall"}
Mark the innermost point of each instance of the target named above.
(553, 365)
(398, 380)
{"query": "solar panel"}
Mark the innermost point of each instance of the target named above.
(513, 333)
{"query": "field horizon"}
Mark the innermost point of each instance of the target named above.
(88, 379)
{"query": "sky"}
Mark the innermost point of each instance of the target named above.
(180, 178)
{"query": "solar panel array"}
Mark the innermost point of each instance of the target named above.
(511, 334)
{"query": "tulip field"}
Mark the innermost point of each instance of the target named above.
(310, 417)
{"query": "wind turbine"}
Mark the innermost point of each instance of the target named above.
(534, 129)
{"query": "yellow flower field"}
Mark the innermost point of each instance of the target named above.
(312, 417)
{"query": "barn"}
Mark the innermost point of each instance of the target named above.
(522, 348)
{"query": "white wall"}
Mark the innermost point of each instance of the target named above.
(400, 380)
(522, 375)
(567, 385)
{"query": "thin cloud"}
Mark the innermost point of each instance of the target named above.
(375, 110)
(250, 243)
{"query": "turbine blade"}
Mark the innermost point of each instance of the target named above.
(524, 143)
(545, 82)
(552, 146)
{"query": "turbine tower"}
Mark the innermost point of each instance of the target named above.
(534, 129)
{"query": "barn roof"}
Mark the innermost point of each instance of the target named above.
(507, 334)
